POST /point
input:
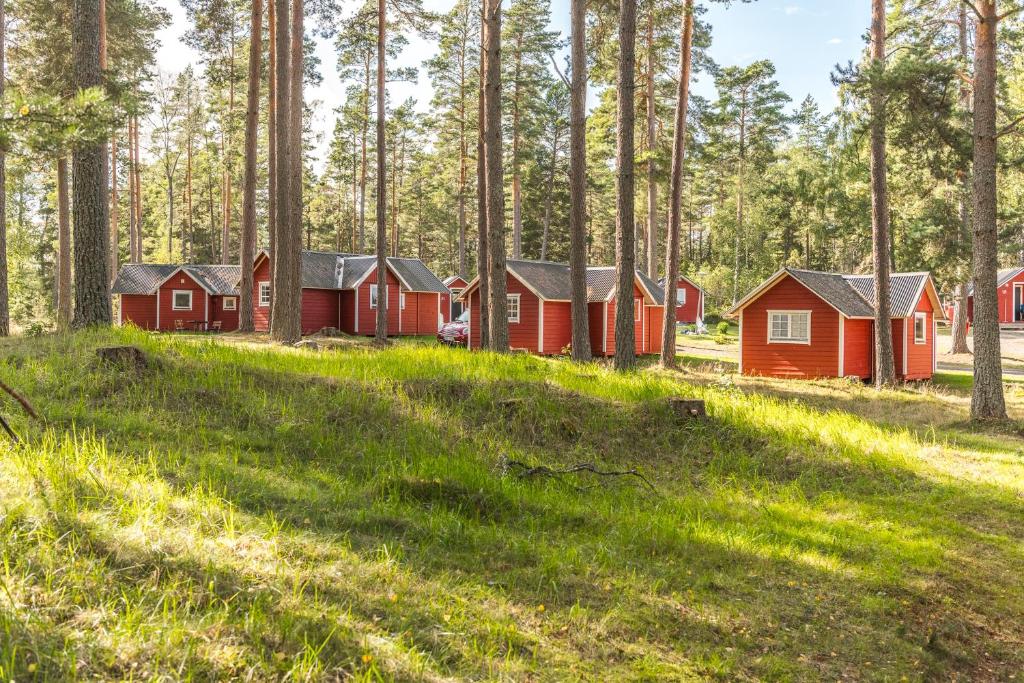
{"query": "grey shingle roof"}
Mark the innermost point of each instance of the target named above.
(656, 291)
(600, 283)
(854, 295)
(549, 279)
(417, 276)
(335, 270)
(145, 278)
(1003, 275)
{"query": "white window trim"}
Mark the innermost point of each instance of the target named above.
(230, 300)
(174, 300)
(516, 298)
(638, 309)
(401, 300)
(923, 317)
(264, 284)
(681, 291)
(804, 342)
(375, 290)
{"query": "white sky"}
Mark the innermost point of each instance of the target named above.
(804, 38)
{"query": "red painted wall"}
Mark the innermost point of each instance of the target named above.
(655, 319)
(181, 281)
(522, 335)
(688, 312)
(1005, 293)
(348, 311)
(640, 328)
(260, 314)
(228, 319)
(858, 342)
(919, 356)
(446, 307)
(557, 326)
(820, 358)
(319, 310)
(367, 315)
(595, 311)
(139, 309)
(899, 333)
(419, 317)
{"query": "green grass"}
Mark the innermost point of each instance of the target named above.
(244, 511)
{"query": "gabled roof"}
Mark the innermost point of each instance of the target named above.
(146, 278)
(551, 281)
(661, 282)
(1003, 275)
(339, 270)
(854, 295)
(452, 278)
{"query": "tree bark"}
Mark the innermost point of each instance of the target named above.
(625, 228)
(668, 332)
(885, 370)
(463, 155)
(481, 188)
(550, 191)
(987, 401)
(137, 180)
(89, 182)
(581, 350)
(247, 244)
(5, 314)
(960, 319)
(225, 228)
(272, 169)
(64, 302)
(285, 320)
(740, 191)
(365, 166)
(517, 188)
(380, 336)
(498, 302)
(652, 185)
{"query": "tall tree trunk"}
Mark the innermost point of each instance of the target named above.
(247, 244)
(64, 302)
(355, 195)
(885, 369)
(482, 258)
(272, 169)
(132, 234)
(668, 331)
(652, 185)
(740, 192)
(285, 323)
(987, 400)
(463, 154)
(225, 228)
(498, 304)
(625, 228)
(365, 163)
(170, 217)
(89, 182)
(581, 350)
(517, 187)
(137, 172)
(5, 314)
(394, 199)
(960, 320)
(549, 192)
(380, 336)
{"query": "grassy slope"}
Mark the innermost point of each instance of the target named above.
(253, 512)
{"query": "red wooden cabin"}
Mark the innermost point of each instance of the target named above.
(1009, 296)
(539, 313)
(341, 290)
(803, 324)
(167, 297)
(689, 301)
(456, 284)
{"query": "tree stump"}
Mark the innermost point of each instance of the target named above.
(126, 357)
(688, 408)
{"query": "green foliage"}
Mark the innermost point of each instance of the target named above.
(722, 327)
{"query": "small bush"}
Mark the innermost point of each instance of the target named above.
(723, 327)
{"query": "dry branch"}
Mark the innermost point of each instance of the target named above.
(523, 471)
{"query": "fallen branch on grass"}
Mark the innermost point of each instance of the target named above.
(524, 471)
(24, 404)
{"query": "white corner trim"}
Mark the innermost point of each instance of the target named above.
(540, 326)
(604, 328)
(842, 346)
(741, 342)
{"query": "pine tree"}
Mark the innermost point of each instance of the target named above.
(247, 242)
(625, 253)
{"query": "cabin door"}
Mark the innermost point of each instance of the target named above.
(1018, 302)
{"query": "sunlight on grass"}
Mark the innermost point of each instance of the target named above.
(240, 510)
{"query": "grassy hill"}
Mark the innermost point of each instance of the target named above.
(238, 510)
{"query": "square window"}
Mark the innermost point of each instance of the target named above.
(789, 327)
(182, 300)
(264, 294)
(230, 303)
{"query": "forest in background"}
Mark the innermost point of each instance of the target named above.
(771, 178)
